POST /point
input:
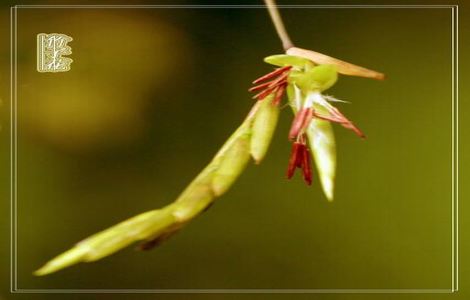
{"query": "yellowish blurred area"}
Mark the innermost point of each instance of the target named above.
(119, 60)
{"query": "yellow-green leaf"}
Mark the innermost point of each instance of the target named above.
(232, 163)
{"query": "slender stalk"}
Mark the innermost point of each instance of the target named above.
(278, 24)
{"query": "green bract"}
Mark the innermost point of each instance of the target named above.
(283, 60)
(319, 78)
(306, 75)
(322, 143)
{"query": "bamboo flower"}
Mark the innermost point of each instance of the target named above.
(303, 80)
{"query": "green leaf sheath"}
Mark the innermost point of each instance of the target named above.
(252, 138)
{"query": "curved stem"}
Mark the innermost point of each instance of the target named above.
(278, 24)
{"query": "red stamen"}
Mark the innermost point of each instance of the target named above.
(308, 118)
(279, 92)
(280, 80)
(264, 93)
(338, 117)
(301, 120)
(346, 123)
(328, 118)
(356, 130)
(274, 86)
(275, 83)
(272, 74)
(260, 87)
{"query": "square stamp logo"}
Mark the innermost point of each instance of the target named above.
(51, 49)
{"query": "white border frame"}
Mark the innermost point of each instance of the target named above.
(13, 165)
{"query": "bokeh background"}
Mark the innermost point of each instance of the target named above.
(151, 96)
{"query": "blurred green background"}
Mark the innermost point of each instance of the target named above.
(151, 96)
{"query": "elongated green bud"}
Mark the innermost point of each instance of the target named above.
(141, 227)
(110, 240)
(322, 144)
(232, 163)
(63, 260)
(264, 125)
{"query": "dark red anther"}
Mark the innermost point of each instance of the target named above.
(295, 159)
(272, 74)
(300, 158)
(307, 166)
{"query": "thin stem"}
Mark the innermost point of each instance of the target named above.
(278, 24)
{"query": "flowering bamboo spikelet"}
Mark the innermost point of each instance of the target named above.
(303, 80)
(212, 182)
(313, 114)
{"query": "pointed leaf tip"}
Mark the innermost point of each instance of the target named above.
(343, 67)
(66, 259)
